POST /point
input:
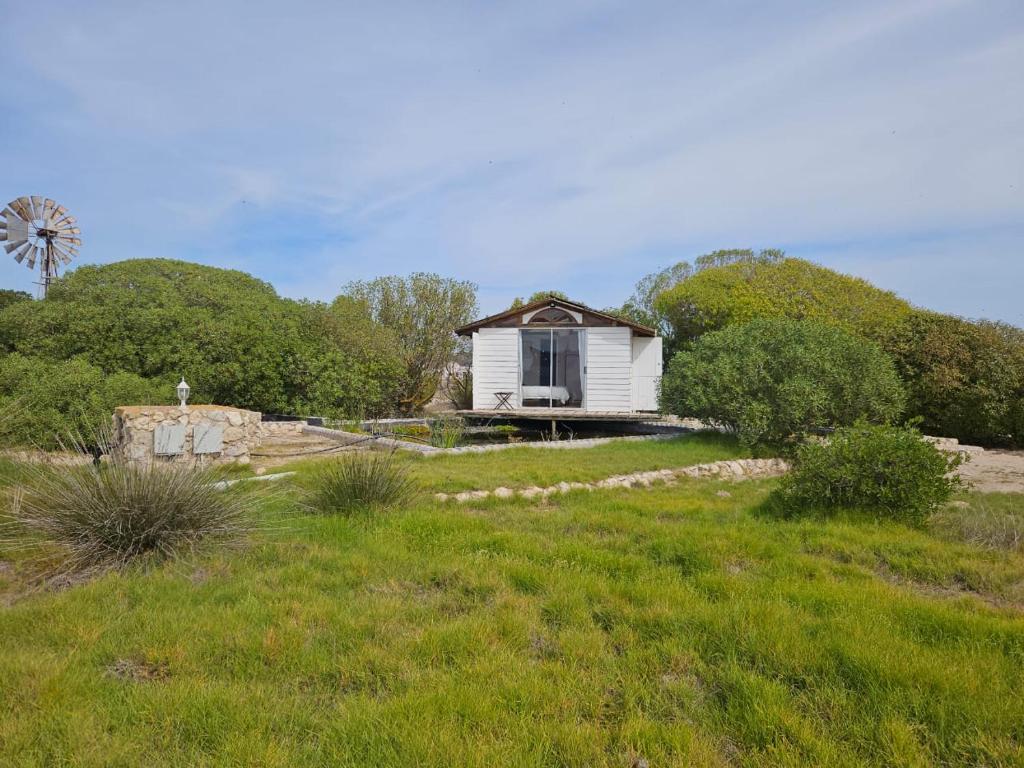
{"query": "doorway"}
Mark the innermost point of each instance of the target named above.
(552, 370)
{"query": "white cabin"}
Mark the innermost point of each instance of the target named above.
(562, 357)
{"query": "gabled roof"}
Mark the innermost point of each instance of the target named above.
(552, 301)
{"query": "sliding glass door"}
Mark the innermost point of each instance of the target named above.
(552, 368)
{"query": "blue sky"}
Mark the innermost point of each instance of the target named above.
(529, 145)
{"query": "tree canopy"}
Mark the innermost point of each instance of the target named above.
(234, 339)
(643, 306)
(518, 301)
(421, 311)
(717, 296)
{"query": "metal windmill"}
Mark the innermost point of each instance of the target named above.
(37, 229)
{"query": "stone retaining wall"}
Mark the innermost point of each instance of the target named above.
(739, 469)
(276, 428)
(146, 433)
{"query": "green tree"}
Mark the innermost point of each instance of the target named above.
(965, 379)
(49, 403)
(518, 302)
(771, 379)
(643, 306)
(234, 339)
(421, 311)
(8, 297)
(720, 295)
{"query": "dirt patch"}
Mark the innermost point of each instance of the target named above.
(139, 670)
(995, 471)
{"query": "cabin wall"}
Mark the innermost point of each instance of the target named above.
(495, 366)
(646, 377)
(609, 366)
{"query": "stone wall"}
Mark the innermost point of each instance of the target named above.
(276, 428)
(195, 433)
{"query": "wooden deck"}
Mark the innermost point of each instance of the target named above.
(558, 414)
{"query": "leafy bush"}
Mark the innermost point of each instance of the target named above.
(116, 514)
(718, 296)
(770, 379)
(48, 403)
(234, 339)
(888, 470)
(360, 481)
(965, 379)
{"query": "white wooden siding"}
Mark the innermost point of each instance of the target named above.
(495, 366)
(646, 372)
(609, 366)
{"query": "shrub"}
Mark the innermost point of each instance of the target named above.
(771, 379)
(888, 470)
(110, 516)
(360, 481)
(45, 401)
(964, 379)
(234, 339)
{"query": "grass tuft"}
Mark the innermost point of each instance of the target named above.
(80, 519)
(361, 481)
(446, 431)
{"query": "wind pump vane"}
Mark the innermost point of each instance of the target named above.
(38, 229)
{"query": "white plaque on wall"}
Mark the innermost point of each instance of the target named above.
(208, 438)
(169, 439)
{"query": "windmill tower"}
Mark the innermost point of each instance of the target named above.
(37, 229)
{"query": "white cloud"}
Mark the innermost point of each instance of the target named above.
(524, 145)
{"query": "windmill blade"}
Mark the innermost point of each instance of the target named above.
(70, 250)
(64, 257)
(33, 252)
(67, 221)
(18, 207)
(69, 240)
(37, 206)
(23, 252)
(17, 227)
(48, 213)
(69, 231)
(16, 244)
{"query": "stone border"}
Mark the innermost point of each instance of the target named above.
(738, 469)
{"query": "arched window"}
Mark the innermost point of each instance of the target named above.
(552, 316)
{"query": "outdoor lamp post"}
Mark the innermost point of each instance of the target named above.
(183, 390)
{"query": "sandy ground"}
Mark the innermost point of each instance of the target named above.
(994, 470)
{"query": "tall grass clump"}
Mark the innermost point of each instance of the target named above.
(887, 470)
(93, 518)
(446, 431)
(996, 522)
(360, 482)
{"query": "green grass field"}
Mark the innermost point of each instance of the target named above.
(522, 467)
(672, 624)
